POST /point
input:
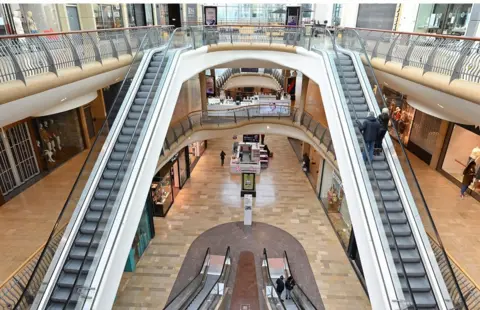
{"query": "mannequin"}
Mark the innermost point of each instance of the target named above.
(51, 138)
(31, 23)
(17, 21)
(47, 145)
(56, 134)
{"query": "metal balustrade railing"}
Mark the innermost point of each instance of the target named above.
(454, 56)
(27, 55)
(199, 120)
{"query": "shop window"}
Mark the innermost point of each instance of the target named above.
(140, 241)
(460, 146)
(108, 16)
(182, 166)
(59, 137)
(333, 199)
(451, 19)
(424, 135)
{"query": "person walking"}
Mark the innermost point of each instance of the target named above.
(383, 119)
(306, 163)
(468, 175)
(222, 157)
(289, 284)
(369, 130)
(280, 287)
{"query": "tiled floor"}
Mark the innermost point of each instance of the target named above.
(211, 197)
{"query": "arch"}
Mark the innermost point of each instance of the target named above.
(252, 80)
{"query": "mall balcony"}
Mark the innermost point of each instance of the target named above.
(353, 232)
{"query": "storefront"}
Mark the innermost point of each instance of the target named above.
(443, 18)
(332, 197)
(108, 15)
(170, 179)
(417, 130)
(140, 15)
(460, 142)
(195, 150)
(59, 137)
(145, 233)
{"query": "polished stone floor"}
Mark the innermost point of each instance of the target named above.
(211, 197)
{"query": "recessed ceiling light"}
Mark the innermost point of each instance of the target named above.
(63, 99)
(268, 127)
(441, 106)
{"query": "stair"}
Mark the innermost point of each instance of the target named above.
(85, 246)
(390, 206)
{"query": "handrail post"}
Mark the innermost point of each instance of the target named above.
(48, 54)
(406, 60)
(190, 122)
(234, 117)
(127, 43)
(390, 49)
(294, 114)
(248, 115)
(429, 63)
(114, 48)
(461, 60)
(76, 58)
(16, 65)
(95, 47)
(374, 51)
(270, 36)
(231, 35)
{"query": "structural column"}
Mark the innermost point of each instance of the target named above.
(83, 122)
(203, 90)
(303, 95)
(442, 132)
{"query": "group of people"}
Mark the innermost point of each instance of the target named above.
(373, 130)
(281, 286)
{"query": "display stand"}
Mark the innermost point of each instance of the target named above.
(247, 210)
(254, 158)
(161, 197)
(248, 185)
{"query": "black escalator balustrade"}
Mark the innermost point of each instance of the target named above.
(86, 244)
(389, 204)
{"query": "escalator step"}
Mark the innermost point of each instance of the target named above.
(404, 243)
(121, 147)
(419, 284)
(412, 270)
(114, 165)
(92, 228)
(60, 295)
(395, 217)
(153, 69)
(399, 230)
(408, 256)
(79, 253)
(393, 206)
(84, 240)
(147, 82)
(388, 196)
(97, 216)
(67, 280)
(380, 175)
(386, 185)
(358, 100)
(139, 107)
(380, 165)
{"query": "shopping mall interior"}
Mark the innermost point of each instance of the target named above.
(239, 156)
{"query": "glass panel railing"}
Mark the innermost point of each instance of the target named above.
(219, 288)
(35, 284)
(298, 294)
(269, 286)
(188, 293)
(349, 39)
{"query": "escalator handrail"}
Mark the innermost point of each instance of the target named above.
(222, 274)
(205, 263)
(265, 257)
(370, 165)
(296, 283)
(409, 165)
(104, 125)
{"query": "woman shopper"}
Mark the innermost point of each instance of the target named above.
(289, 284)
(468, 175)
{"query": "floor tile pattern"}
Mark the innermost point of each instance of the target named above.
(211, 197)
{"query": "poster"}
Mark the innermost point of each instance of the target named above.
(293, 15)
(210, 85)
(291, 85)
(192, 13)
(210, 13)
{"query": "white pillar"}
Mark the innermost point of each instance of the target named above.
(247, 209)
(349, 15)
(473, 27)
(408, 17)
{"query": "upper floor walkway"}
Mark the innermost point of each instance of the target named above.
(423, 66)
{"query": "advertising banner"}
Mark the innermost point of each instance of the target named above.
(291, 86)
(293, 16)
(210, 13)
(191, 13)
(210, 85)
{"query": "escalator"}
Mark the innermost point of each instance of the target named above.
(208, 286)
(98, 209)
(87, 239)
(408, 262)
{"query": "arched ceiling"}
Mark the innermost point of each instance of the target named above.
(252, 80)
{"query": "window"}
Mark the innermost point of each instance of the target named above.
(108, 16)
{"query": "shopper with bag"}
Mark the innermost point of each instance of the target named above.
(383, 119)
(468, 175)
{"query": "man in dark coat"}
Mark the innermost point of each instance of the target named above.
(280, 287)
(369, 130)
(222, 157)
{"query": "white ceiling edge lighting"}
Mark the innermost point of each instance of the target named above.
(70, 104)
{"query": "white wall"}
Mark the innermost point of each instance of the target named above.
(408, 16)
(323, 11)
(349, 14)
(473, 28)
